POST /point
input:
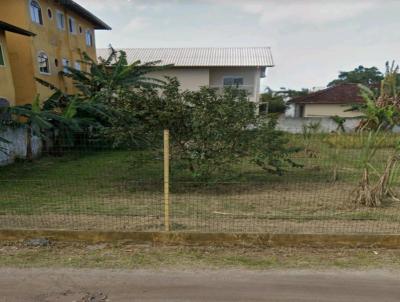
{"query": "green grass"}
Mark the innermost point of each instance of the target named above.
(123, 190)
(130, 256)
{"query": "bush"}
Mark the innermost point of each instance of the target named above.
(212, 131)
(273, 103)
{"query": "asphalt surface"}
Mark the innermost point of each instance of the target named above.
(55, 285)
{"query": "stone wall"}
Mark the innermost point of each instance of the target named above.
(17, 146)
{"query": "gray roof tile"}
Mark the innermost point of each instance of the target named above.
(197, 57)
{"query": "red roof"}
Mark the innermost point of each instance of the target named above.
(339, 94)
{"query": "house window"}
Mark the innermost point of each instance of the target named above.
(233, 81)
(36, 12)
(2, 61)
(71, 25)
(80, 29)
(60, 20)
(65, 63)
(43, 62)
(77, 65)
(89, 38)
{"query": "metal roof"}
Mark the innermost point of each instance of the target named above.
(15, 29)
(198, 57)
(80, 10)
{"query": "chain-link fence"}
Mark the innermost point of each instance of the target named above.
(89, 188)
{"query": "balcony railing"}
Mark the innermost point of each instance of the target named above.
(248, 88)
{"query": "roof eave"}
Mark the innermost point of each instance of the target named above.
(325, 103)
(97, 22)
(15, 29)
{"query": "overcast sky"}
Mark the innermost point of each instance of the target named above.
(311, 40)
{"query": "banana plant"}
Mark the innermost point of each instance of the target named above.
(381, 110)
(34, 119)
(106, 78)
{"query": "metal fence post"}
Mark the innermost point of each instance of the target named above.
(166, 180)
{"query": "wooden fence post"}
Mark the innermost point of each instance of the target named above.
(166, 180)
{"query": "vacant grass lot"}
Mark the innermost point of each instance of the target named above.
(122, 190)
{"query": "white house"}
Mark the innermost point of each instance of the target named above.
(241, 67)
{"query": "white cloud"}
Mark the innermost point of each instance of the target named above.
(311, 40)
(120, 5)
(303, 12)
(136, 23)
(97, 5)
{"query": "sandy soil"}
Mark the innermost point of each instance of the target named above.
(65, 285)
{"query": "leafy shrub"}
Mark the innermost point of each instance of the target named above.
(212, 131)
(273, 103)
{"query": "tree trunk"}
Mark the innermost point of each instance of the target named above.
(29, 152)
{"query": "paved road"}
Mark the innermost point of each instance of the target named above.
(63, 285)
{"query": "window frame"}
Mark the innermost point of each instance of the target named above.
(41, 52)
(234, 78)
(65, 63)
(77, 65)
(88, 31)
(58, 14)
(2, 55)
(33, 14)
(74, 24)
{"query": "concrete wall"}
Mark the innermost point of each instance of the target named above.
(328, 110)
(57, 44)
(7, 89)
(192, 78)
(189, 78)
(295, 125)
(17, 147)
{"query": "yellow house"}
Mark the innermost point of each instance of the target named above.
(7, 88)
(63, 30)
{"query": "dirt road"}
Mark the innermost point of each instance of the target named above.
(67, 285)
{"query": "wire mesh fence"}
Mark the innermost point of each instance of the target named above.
(101, 188)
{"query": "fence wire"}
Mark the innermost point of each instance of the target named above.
(122, 190)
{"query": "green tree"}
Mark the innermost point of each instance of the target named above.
(292, 93)
(272, 102)
(211, 131)
(361, 75)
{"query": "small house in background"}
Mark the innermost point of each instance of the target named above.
(335, 100)
(241, 67)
